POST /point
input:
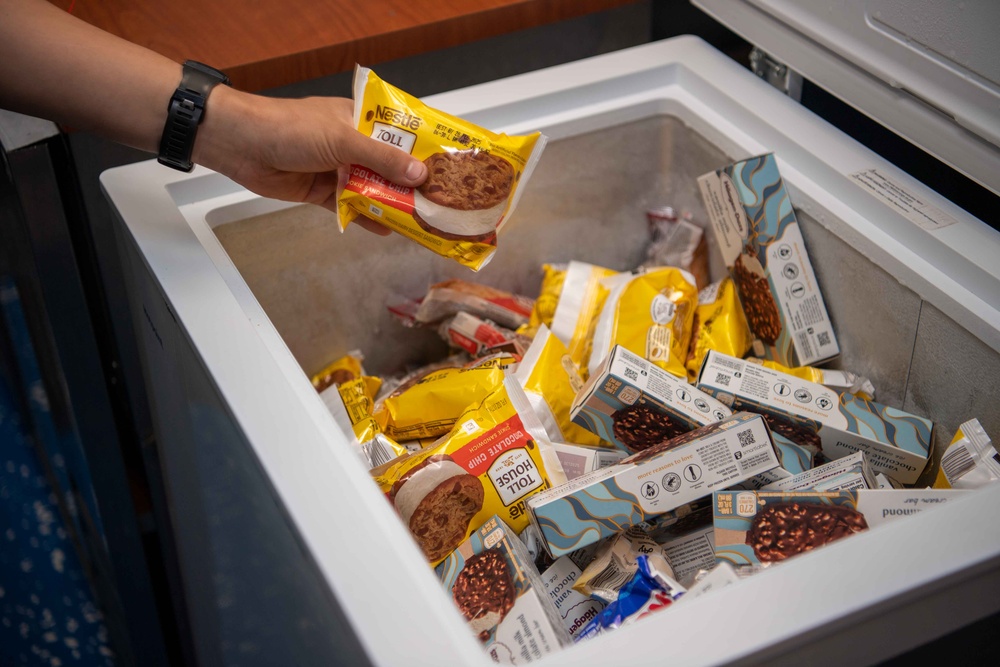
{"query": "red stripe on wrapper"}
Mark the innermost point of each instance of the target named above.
(368, 184)
(478, 455)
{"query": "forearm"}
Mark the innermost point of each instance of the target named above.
(55, 66)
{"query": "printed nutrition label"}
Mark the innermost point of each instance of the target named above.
(795, 285)
(895, 195)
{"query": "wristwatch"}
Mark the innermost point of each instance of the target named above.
(185, 113)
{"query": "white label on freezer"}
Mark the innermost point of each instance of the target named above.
(897, 197)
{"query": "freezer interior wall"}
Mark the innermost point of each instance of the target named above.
(326, 292)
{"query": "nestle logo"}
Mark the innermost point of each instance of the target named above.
(397, 117)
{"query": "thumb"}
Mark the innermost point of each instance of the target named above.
(389, 162)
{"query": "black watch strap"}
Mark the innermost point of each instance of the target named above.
(185, 113)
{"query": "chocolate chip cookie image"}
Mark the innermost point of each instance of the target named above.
(484, 591)
(782, 530)
(437, 500)
(465, 194)
(758, 302)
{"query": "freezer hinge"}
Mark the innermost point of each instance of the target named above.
(776, 73)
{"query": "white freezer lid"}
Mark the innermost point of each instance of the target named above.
(926, 69)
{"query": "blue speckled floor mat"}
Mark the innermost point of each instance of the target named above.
(48, 617)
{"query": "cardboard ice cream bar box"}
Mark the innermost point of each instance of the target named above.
(652, 483)
(575, 608)
(635, 404)
(896, 442)
(756, 229)
(495, 585)
(795, 459)
(884, 505)
(760, 528)
(578, 460)
(846, 474)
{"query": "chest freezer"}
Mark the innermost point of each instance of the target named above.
(288, 552)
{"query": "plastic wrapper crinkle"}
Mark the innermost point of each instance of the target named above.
(358, 396)
(427, 405)
(970, 461)
(551, 382)
(676, 241)
(650, 314)
(475, 176)
(544, 310)
(719, 324)
(579, 306)
(346, 368)
(617, 561)
(648, 591)
(450, 297)
(481, 338)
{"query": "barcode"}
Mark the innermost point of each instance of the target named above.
(956, 462)
(823, 338)
(610, 577)
(723, 379)
(377, 452)
(746, 437)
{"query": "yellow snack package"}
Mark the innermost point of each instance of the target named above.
(358, 396)
(650, 314)
(719, 324)
(499, 360)
(418, 444)
(427, 406)
(839, 380)
(474, 182)
(550, 381)
(347, 367)
(544, 309)
(496, 456)
(579, 306)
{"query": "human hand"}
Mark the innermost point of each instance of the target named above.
(295, 149)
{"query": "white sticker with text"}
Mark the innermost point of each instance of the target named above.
(897, 197)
